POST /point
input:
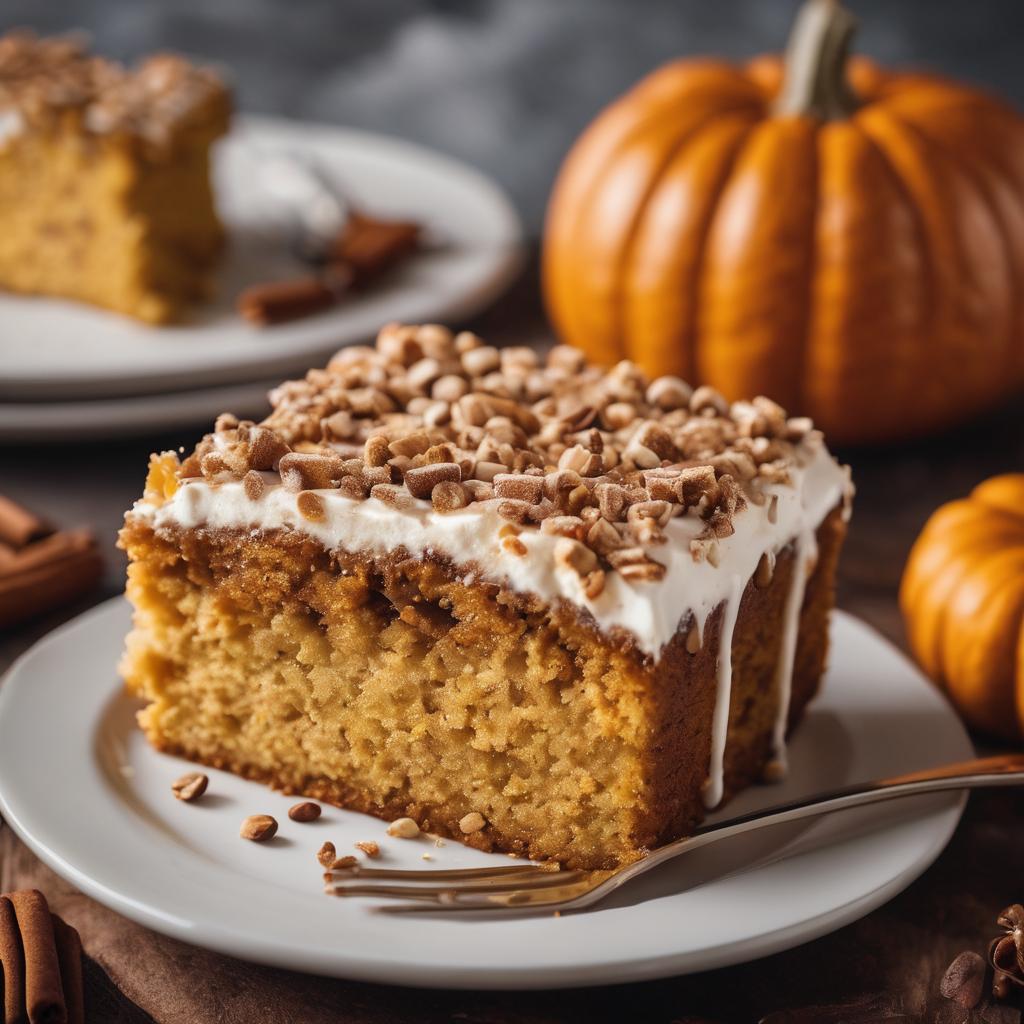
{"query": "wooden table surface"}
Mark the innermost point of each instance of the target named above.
(884, 967)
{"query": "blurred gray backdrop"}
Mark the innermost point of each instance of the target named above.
(504, 84)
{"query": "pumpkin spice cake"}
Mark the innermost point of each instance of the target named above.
(105, 189)
(532, 605)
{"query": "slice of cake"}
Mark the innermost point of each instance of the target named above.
(104, 177)
(535, 606)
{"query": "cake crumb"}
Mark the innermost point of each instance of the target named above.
(369, 847)
(472, 822)
(326, 854)
(404, 828)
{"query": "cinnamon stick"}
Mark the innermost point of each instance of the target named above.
(12, 961)
(18, 525)
(369, 246)
(69, 953)
(44, 995)
(47, 574)
(278, 301)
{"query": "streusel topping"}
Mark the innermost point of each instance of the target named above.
(42, 80)
(603, 459)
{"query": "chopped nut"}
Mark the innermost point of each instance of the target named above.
(669, 393)
(404, 828)
(472, 822)
(190, 786)
(392, 496)
(307, 471)
(514, 546)
(311, 507)
(573, 555)
(340, 863)
(376, 451)
(369, 847)
(252, 484)
(448, 496)
(258, 828)
(424, 479)
(707, 398)
(326, 854)
(306, 811)
(520, 487)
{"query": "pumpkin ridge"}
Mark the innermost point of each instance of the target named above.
(658, 362)
(618, 300)
(565, 295)
(962, 164)
(866, 118)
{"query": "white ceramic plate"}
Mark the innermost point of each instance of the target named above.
(79, 784)
(95, 418)
(52, 349)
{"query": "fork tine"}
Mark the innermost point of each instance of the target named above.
(495, 886)
(444, 874)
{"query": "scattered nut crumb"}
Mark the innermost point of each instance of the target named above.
(439, 842)
(306, 811)
(404, 828)
(258, 828)
(369, 847)
(326, 854)
(190, 786)
(344, 862)
(472, 822)
(426, 856)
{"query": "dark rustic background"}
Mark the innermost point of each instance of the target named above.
(504, 84)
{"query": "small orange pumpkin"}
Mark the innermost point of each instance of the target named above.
(963, 601)
(847, 240)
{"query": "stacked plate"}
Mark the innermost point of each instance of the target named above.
(70, 371)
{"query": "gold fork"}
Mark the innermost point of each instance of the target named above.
(539, 888)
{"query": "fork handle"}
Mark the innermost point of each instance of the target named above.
(1002, 770)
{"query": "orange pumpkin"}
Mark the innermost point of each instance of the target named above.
(847, 240)
(963, 601)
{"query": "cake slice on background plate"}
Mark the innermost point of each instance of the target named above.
(567, 608)
(105, 192)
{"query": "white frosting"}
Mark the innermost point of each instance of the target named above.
(650, 611)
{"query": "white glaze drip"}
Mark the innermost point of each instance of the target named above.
(715, 782)
(804, 553)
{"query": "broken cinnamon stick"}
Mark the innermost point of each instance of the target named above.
(69, 953)
(44, 994)
(18, 525)
(278, 301)
(12, 963)
(46, 574)
(369, 246)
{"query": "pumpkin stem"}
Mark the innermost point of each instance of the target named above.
(815, 75)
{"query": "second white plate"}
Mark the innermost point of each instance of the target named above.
(51, 349)
(98, 809)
